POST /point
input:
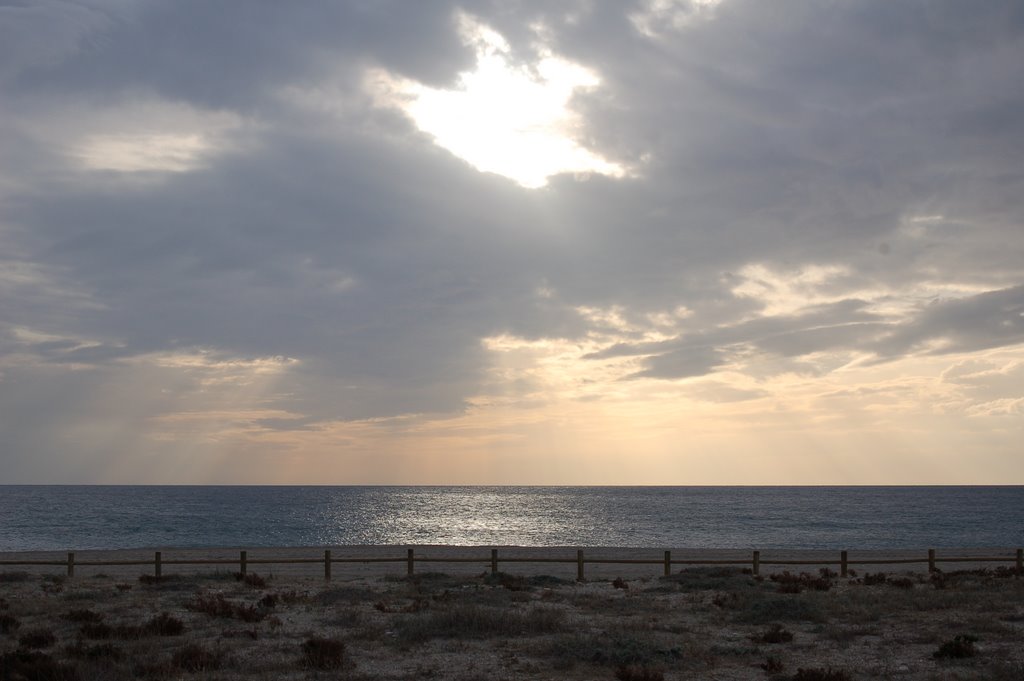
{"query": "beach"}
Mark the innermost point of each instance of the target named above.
(528, 620)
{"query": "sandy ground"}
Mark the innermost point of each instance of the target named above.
(531, 621)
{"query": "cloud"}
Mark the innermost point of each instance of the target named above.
(500, 117)
(987, 320)
(818, 195)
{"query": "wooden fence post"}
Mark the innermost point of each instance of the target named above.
(327, 565)
(409, 562)
(757, 563)
(71, 564)
(931, 560)
(158, 568)
(579, 565)
(1020, 562)
(668, 563)
(494, 561)
(243, 563)
(844, 564)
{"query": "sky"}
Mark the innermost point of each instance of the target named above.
(512, 242)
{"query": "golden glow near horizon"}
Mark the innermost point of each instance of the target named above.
(548, 414)
(502, 117)
(791, 429)
(549, 411)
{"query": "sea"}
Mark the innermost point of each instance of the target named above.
(59, 518)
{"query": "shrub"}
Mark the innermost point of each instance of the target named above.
(619, 650)
(346, 618)
(251, 579)
(164, 624)
(37, 638)
(249, 613)
(83, 616)
(711, 579)
(772, 665)
(1004, 671)
(546, 581)
(902, 583)
(474, 621)
(323, 653)
(7, 577)
(214, 605)
(960, 647)
(31, 665)
(97, 630)
(196, 658)
(461, 621)
(99, 651)
(340, 595)
(776, 634)
(790, 583)
(726, 601)
(872, 579)
(774, 608)
(638, 673)
(510, 582)
(822, 675)
(103, 631)
(543, 621)
(620, 583)
(9, 624)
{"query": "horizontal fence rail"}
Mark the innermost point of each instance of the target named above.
(493, 560)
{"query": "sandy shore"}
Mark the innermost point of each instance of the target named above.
(430, 558)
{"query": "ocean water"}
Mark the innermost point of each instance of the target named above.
(102, 517)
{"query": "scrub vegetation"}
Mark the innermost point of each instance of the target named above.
(698, 623)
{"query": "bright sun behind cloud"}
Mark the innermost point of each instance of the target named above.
(502, 117)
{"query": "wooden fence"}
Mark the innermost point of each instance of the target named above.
(410, 559)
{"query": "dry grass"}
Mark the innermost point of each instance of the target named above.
(695, 624)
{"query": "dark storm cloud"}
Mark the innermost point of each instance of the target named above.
(786, 134)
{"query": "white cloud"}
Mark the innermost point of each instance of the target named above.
(513, 120)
